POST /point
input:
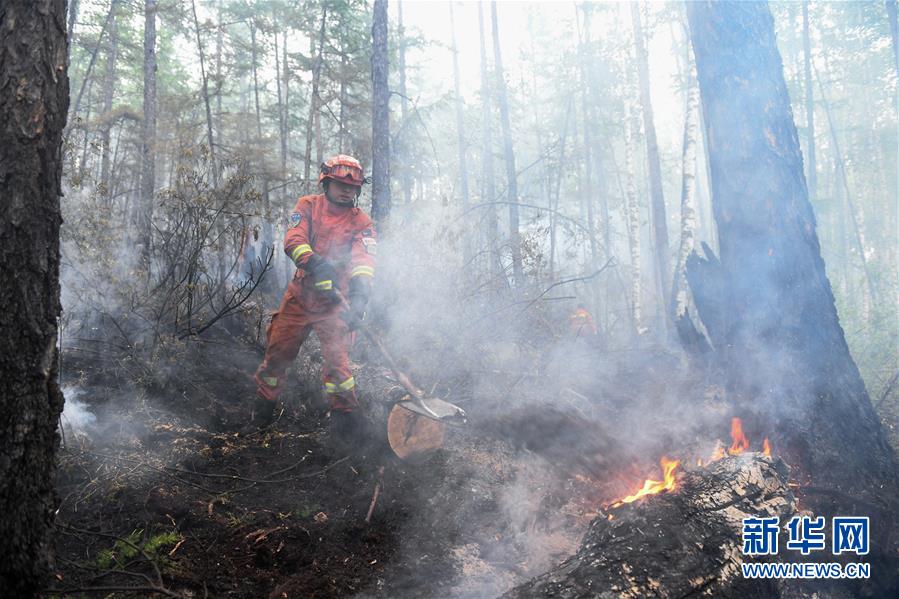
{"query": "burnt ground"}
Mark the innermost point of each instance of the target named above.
(164, 496)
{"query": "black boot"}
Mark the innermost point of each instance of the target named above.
(348, 432)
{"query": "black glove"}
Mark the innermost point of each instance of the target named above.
(324, 276)
(360, 290)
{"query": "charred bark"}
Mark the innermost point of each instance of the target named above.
(767, 305)
(34, 100)
(676, 544)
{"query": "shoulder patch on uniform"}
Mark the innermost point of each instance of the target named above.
(371, 245)
(295, 219)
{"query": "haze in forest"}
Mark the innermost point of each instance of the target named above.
(165, 312)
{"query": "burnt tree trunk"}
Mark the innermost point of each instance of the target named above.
(380, 152)
(34, 100)
(686, 543)
(767, 305)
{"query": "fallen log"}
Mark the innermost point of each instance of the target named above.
(677, 544)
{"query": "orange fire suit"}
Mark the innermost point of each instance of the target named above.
(346, 238)
(581, 323)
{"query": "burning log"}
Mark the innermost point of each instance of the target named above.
(677, 543)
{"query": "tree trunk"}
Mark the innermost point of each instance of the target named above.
(380, 134)
(553, 220)
(659, 217)
(488, 175)
(511, 175)
(314, 100)
(34, 100)
(193, 6)
(403, 150)
(844, 183)
(108, 89)
(894, 31)
(811, 164)
(633, 219)
(144, 208)
(219, 80)
(286, 103)
(688, 192)
(460, 130)
(777, 332)
(282, 125)
(90, 65)
(73, 17)
(586, 113)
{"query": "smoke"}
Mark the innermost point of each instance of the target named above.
(76, 417)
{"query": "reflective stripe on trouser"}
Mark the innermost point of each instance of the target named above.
(289, 328)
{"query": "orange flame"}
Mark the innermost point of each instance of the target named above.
(740, 442)
(651, 487)
(766, 447)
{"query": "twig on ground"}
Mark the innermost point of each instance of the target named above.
(374, 497)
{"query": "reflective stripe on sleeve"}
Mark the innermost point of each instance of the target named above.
(363, 271)
(299, 251)
(324, 285)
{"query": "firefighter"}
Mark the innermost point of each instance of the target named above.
(333, 244)
(580, 323)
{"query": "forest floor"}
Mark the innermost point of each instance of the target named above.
(165, 497)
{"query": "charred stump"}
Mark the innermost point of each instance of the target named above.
(675, 544)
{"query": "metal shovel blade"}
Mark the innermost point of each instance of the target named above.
(436, 409)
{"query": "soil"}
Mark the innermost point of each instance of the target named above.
(167, 497)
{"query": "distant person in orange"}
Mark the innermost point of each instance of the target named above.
(580, 323)
(333, 244)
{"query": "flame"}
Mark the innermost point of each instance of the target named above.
(651, 487)
(766, 447)
(740, 442)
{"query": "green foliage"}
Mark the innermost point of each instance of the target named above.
(124, 550)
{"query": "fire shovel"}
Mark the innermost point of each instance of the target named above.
(416, 423)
